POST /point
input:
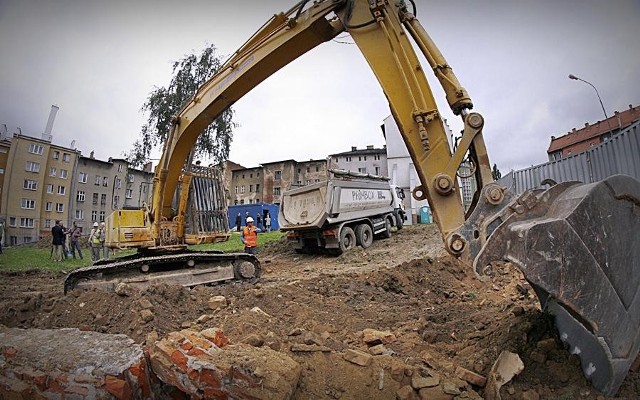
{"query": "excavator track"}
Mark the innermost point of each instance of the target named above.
(188, 268)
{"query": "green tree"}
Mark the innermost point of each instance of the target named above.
(164, 103)
(495, 172)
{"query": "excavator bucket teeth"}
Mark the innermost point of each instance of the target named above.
(581, 254)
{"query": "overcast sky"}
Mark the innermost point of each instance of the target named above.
(99, 60)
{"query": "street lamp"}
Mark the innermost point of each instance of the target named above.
(571, 76)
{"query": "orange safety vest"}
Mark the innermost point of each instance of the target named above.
(250, 236)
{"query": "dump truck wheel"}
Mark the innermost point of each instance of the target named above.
(347, 239)
(364, 235)
(399, 220)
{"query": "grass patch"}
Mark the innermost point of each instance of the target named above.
(29, 257)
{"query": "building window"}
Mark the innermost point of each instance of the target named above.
(66, 157)
(242, 201)
(347, 158)
(50, 188)
(33, 166)
(35, 149)
(317, 180)
(103, 199)
(82, 177)
(48, 206)
(116, 200)
(59, 207)
(80, 196)
(98, 180)
(79, 214)
(30, 185)
(317, 169)
(52, 171)
(257, 201)
(237, 189)
(28, 204)
(377, 170)
(118, 183)
(47, 223)
(250, 175)
(276, 191)
(250, 188)
(26, 222)
(120, 167)
(56, 155)
(128, 194)
(95, 199)
(102, 215)
(257, 187)
(94, 216)
(130, 178)
(63, 173)
(376, 157)
(277, 175)
(105, 181)
(308, 169)
(1, 171)
(362, 170)
(61, 190)
(12, 221)
(242, 189)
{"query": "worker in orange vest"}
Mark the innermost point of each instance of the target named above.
(250, 237)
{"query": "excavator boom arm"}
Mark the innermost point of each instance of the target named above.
(547, 234)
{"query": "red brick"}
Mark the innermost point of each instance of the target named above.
(186, 345)
(196, 352)
(192, 374)
(215, 394)
(119, 388)
(180, 360)
(139, 371)
(215, 336)
(210, 378)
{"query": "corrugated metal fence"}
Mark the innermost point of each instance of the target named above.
(618, 155)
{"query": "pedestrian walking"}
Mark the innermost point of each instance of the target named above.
(58, 238)
(74, 238)
(258, 221)
(267, 222)
(1, 235)
(238, 222)
(250, 237)
(94, 242)
(103, 237)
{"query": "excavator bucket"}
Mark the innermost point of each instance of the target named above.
(578, 245)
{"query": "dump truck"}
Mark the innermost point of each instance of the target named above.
(346, 210)
(577, 244)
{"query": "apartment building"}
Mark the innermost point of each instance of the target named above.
(278, 178)
(246, 186)
(308, 172)
(36, 188)
(102, 187)
(5, 146)
(367, 161)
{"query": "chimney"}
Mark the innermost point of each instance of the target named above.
(52, 117)
(586, 124)
(353, 148)
(369, 147)
(573, 130)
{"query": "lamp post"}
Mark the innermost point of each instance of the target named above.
(571, 76)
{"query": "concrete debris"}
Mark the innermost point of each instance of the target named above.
(504, 369)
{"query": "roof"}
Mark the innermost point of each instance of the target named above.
(620, 120)
(361, 152)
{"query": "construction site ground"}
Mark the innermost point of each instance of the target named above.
(440, 316)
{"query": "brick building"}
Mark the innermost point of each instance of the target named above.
(579, 140)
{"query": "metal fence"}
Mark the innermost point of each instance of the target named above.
(620, 154)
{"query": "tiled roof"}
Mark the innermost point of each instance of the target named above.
(620, 120)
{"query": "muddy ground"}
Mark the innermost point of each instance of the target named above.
(441, 316)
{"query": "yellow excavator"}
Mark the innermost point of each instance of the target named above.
(578, 245)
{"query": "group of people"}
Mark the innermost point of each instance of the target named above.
(249, 233)
(61, 250)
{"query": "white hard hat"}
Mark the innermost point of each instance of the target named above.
(95, 224)
(249, 219)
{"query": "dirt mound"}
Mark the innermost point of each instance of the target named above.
(439, 315)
